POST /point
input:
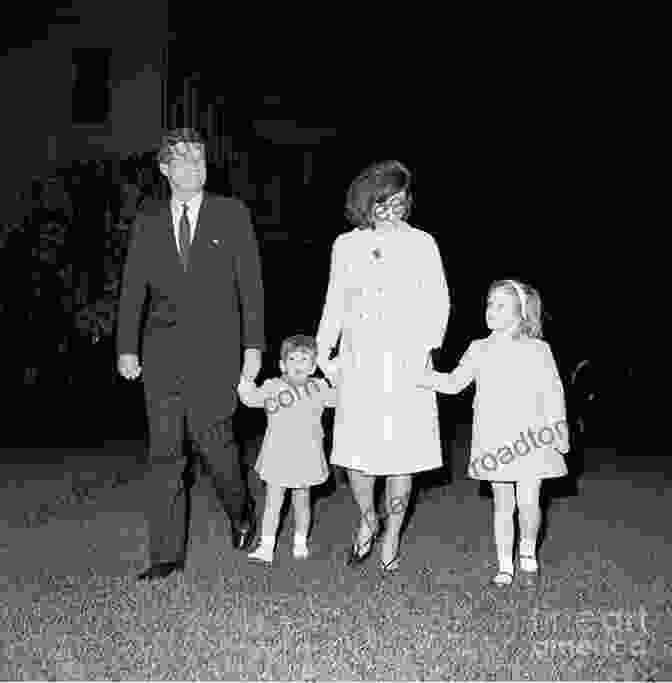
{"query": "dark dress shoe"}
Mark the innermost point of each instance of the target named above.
(243, 536)
(160, 571)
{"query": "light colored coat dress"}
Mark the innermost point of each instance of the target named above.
(520, 429)
(388, 302)
(292, 453)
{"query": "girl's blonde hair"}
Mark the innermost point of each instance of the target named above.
(529, 306)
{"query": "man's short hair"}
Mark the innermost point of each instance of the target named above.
(175, 137)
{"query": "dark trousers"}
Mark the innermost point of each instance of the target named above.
(170, 474)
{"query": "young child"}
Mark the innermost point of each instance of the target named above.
(520, 433)
(292, 454)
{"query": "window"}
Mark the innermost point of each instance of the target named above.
(90, 86)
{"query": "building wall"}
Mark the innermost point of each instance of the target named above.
(37, 117)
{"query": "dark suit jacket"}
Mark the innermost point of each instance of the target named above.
(197, 320)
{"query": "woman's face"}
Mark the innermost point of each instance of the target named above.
(392, 210)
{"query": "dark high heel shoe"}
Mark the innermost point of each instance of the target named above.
(358, 552)
(392, 566)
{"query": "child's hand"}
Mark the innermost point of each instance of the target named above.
(562, 448)
(427, 380)
(332, 380)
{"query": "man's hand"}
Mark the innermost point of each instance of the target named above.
(251, 365)
(129, 366)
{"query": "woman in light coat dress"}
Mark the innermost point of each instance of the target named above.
(388, 302)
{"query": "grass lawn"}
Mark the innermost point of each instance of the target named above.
(70, 609)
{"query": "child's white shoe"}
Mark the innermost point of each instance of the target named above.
(264, 553)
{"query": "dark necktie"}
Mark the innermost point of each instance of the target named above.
(185, 236)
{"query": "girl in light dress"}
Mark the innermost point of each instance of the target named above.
(292, 453)
(520, 433)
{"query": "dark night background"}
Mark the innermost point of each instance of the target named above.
(520, 129)
(516, 174)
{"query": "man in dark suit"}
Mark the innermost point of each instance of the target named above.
(196, 260)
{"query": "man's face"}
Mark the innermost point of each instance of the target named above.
(186, 170)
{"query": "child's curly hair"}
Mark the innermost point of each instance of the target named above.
(529, 306)
(298, 342)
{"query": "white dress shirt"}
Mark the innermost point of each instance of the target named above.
(193, 208)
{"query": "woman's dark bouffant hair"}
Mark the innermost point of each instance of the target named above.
(373, 185)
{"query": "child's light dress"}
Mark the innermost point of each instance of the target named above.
(292, 453)
(519, 409)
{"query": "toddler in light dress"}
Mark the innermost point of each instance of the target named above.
(292, 453)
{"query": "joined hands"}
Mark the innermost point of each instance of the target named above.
(428, 380)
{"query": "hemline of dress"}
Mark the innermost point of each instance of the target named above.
(526, 478)
(387, 473)
(294, 485)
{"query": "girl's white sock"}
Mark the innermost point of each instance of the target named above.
(268, 542)
(528, 548)
(300, 539)
(300, 546)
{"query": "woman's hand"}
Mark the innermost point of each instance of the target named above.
(562, 447)
(330, 368)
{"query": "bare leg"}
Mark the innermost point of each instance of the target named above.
(275, 496)
(529, 518)
(301, 502)
(504, 507)
(362, 489)
(397, 494)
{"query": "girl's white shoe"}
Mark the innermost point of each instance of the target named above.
(529, 571)
(261, 554)
(528, 563)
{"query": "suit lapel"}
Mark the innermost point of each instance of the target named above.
(203, 231)
(169, 245)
